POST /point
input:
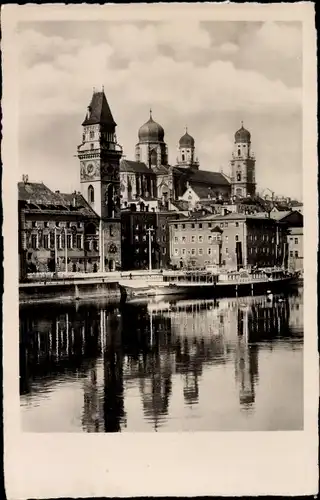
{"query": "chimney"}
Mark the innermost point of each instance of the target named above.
(57, 192)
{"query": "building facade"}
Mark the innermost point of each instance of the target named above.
(99, 155)
(294, 221)
(137, 226)
(232, 241)
(57, 231)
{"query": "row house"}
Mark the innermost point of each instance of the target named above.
(136, 229)
(231, 241)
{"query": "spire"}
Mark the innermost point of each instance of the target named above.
(186, 129)
(99, 111)
(241, 123)
(150, 113)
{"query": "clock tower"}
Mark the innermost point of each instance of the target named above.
(99, 155)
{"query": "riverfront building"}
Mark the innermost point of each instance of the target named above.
(232, 241)
(57, 231)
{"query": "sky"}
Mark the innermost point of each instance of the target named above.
(208, 76)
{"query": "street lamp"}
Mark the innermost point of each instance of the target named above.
(149, 230)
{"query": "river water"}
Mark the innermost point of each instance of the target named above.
(165, 365)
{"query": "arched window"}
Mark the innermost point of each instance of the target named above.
(238, 176)
(90, 194)
(239, 152)
(153, 157)
(183, 157)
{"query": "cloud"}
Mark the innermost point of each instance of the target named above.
(229, 48)
(242, 77)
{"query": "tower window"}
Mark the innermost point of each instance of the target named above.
(91, 194)
(83, 137)
(111, 230)
(239, 152)
(238, 176)
(183, 157)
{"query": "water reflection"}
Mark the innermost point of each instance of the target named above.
(163, 354)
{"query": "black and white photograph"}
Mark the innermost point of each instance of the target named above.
(161, 213)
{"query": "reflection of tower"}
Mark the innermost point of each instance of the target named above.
(155, 386)
(246, 362)
(92, 418)
(113, 383)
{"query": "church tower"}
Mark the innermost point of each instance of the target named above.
(243, 181)
(186, 158)
(151, 148)
(99, 155)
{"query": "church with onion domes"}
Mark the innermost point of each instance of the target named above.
(153, 181)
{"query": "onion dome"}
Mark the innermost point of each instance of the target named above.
(242, 135)
(186, 141)
(151, 131)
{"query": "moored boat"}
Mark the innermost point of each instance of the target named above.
(199, 283)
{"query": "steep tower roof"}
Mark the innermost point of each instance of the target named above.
(242, 135)
(186, 141)
(151, 131)
(99, 111)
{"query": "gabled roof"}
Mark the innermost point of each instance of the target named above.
(216, 229)
(36, 196)
(134, 166)
(99, 111)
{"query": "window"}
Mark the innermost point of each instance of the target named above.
(164, 251)
(200, 238)
(200, 225)
(183, 239)
(46, 241)
(183, 226)
(238, 177)
(296, 254)
(91, 134)
(227, 250)
(176, 239)
(176, 251)
(221, 224)
(210, 238)
(200, 251)
(209, 224)
(144, 237)
(137, 250)
(74, 241)
(239, 152)
(163, 238)
(83, 137)
(209, 251)
(136, 238)
(237, 224)
(226, 239)
(34, 241)
(296, 241)
(291, 239)
(226, 224)
(193, 226)
(68, 240)
(34, 224)
(183, 251)
(137, 227)
(91, 194)
(79, 241)
(91, 146)
(193, 239)
(145, 250)
(175, 226)
(193, 251)
(111, 230)
(46, 224)
(79, 224)
(182, 156)
(237, 237)
(67, 224)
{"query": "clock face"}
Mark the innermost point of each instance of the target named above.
(90, 169)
